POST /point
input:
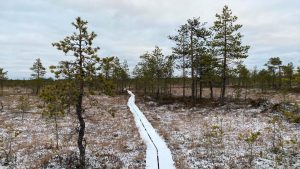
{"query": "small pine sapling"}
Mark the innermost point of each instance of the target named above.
(6, 145)
(250, 138)
(57, 100)
(214, 138)
(23, 105)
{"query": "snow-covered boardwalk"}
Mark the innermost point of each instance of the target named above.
(158, 155)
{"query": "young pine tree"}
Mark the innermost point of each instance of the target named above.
(38, 73)
(23, 105)
(80, 44)
(58, 100)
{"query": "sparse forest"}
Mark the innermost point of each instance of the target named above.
(210, 108)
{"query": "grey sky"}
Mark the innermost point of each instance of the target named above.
(128, 28)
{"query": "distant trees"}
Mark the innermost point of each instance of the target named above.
(243, 75)
(274, 64)
(263, 78)
(297, 76)
(227, 42)
(153, 68)
(2, 78)
(208, 53)
(120, 74)
(80, 44)
(288, 72)
(114, 75)
(38, 72)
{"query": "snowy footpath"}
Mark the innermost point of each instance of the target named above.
(158, 155)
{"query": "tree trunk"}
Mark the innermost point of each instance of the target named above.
(157, 91)
(1, 104)
(184, 80)
(223, 80)
(56, 130)
(192, 67)
(273, 79)
(170, 88)
(201, 89)
(246, 92)
(37, 87)
(279, 72)
(152, 89)
(211, 90)
(79, 111)
(196, 88)
(224, 67)
(1, 83)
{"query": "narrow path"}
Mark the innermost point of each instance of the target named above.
(158, 155)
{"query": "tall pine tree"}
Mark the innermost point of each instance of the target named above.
(190, 41)
(180, 52)
(227, 41)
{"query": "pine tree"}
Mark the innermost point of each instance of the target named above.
(288, 71)
(197, 36)
(2, 78)
(23, 105)
(191, 41)
(264, 79)
(180, 52)
(273, 64)
(107, 67)
(80, 44)
(38, 73)
(227, 41)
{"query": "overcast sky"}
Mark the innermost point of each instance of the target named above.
(128, 28)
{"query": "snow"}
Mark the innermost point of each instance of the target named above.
(158, 155)
(111, 140)
(187, 132)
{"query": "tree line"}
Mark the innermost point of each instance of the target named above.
(209, 57)
(205, 55)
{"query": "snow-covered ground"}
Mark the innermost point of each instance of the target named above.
(112, 139)
(198, 137)
(215, 137)
(158, 154)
